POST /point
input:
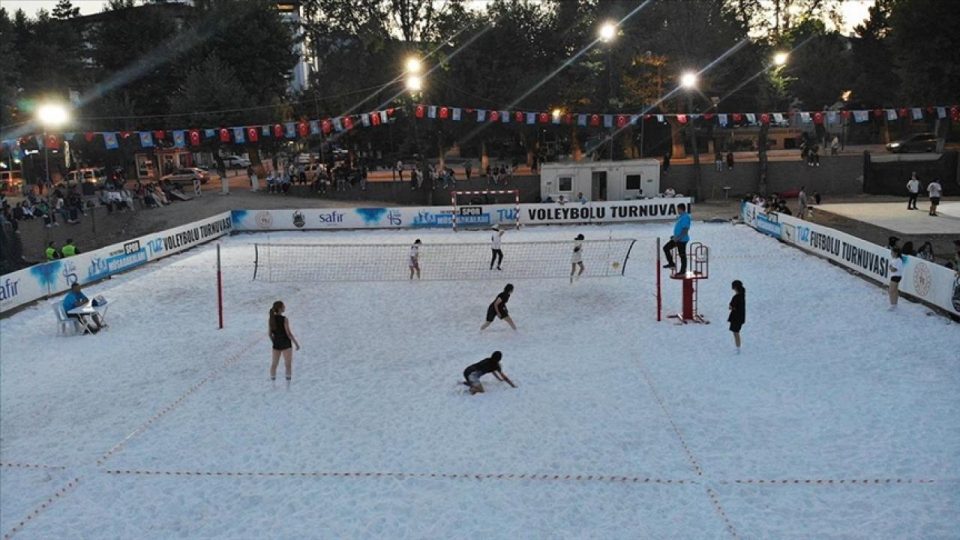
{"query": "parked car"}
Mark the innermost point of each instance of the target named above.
(87, 175)
(11, 182)
(918, 142)
(235, 162)
(185, 176)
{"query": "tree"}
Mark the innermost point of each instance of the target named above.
(64, 10)
(875, 85)
(926, 44)
(10, 62)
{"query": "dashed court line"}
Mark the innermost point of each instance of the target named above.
(43, 506)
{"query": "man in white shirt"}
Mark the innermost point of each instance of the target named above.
(495, 247)
(913, 188)
(935, 190)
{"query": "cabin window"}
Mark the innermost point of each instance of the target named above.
(633, 182)
(565, 183)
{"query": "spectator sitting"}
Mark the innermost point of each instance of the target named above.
(561, 200)
(581, 199)
(27, 210)
(908, 249)
(159, 195)
(52, 252)
(76, 299)
(926, 252)
(670, 193)
(955, 263)
(892, 242)
(782, 208)
(549, 199)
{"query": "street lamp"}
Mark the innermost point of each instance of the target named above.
(688, 80)
(413, 65)
(414, 83)
(607, 33)
(51, 116)
(780, 58)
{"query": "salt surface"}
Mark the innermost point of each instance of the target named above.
(653, 417)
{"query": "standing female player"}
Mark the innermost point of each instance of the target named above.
(896, 274)
(499, 308)
(415, 258)
(495, 247)
(577, 259)
(738, 311)
(281, 336)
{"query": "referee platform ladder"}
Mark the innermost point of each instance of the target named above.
(698, 268)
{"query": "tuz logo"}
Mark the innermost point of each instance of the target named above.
(922, 280)
(155, 245)
(298, 220)
(803, 234)
(264, 219)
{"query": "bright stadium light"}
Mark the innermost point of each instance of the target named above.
(414, 83)
(413, 65)
(780, 58)
(688, 80)
(556, 113)
(52, 115)
(608, 31)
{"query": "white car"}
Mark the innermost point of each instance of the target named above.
(88, 175)
(186, 175)
(235, 162)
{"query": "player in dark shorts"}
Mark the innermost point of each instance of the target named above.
(738, 311)
(283, 339)
(499, 308)
(472, 374)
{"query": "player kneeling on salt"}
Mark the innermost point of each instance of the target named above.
(488, 365)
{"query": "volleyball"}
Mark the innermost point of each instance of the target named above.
(616, 265)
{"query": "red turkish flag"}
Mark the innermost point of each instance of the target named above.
(391, 111)
(303, 128)
(904, 112)
(765, 119)
(737, 118)
(518, 117)
(494, 116)
(444, 113)
(326, 126)
(375, 118)
(253, 134)
(845, 114)
(52, 141)
(818, 118)
(348, 122)
(955, 113)
(682, 118)
(621, 120)
(420, 112)
(224, 135)
(647, 116)
(594, 120)
(708, 116)
(568, 118)
(878, 113)
(277, 131)
(194, 137)
(159, 134)
(544, 118)
(89, 136)
(125, 134)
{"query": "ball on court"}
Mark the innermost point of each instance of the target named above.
(616, 265)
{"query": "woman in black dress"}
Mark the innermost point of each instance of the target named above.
(281, 336)
(738, 311)
(499, 308)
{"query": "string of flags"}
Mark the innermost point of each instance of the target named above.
(192, 137)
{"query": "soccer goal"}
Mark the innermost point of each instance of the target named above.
(440, 261)
(472, 214)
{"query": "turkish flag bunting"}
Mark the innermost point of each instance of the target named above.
(708, 116)
(682, 118)
(277, 131)
(878, 113)
(125, 134)
(303, 128)
(326, 126)
(224, 135)
(544, 118)
(518, 117)
(818, 118)
(444, 113)
(52, 141)
(159, 134)
(621, 120)
(89, 136)
(765, 119)
(253, 134)
(347, 122)
(845, 114)
(375, 118)
(955, 113)
(421, 111)
(737, 117)
(904, 113)
(594, 120)
(494, 116)
(568, 118)
(647, 116)
(194, 137)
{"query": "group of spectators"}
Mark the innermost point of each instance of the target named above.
(58, 205)
(69, 249)
(925, 251)
(777, 203)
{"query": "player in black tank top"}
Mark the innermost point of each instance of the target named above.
(499, 308)
(278, 329)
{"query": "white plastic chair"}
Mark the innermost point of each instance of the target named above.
(65, 323)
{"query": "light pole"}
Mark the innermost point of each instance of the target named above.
(50, 116)
(689, 82)
(607, 33)
(414, 83)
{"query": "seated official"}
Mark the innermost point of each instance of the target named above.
(76, 299)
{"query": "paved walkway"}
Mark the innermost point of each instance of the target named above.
(895, 216)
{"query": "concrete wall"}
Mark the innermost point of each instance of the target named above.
(838, 175)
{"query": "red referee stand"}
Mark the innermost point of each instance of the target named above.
(698, 267)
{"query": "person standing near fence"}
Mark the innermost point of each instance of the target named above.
(913, 189)
(935, 190)
(895, 270)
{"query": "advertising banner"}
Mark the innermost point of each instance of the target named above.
(38, 281)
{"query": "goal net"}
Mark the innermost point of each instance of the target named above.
(442, 261)
(468, 211)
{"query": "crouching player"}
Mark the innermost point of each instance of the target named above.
(488, 365)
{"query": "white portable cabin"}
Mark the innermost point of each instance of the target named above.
(600, 180)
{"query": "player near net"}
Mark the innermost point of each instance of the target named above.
(499, 308)
(495, 247)
(577, 258)
(414, 261)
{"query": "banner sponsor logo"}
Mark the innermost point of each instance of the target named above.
(102, 267)
(331, 218)
(472, 215)
(426, 218)
(9, 289)
(298, 220)
(183, 239)
(264, 219)
(371, 216)
(768, 224)
(922, 279)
